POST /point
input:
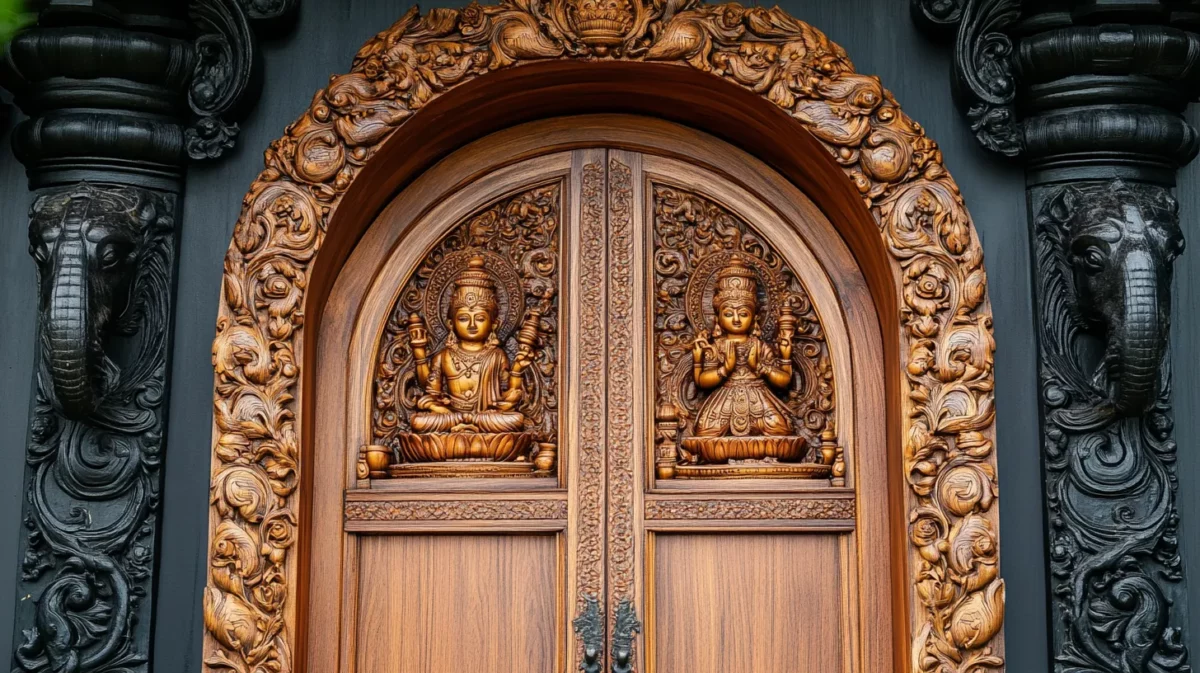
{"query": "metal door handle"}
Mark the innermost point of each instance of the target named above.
(589, 626)
(626, 627)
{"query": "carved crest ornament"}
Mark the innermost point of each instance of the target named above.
(956, 601)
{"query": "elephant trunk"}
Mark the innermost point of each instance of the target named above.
(67, 340)
(1136, 343)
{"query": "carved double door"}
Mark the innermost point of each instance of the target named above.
(611, 405)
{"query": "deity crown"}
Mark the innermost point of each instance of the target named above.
(474, 287)
(736, 283)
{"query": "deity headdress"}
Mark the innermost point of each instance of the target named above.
(736, 284)
(474, 288)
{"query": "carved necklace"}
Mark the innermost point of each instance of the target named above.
(465, 362)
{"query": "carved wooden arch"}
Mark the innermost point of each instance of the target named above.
(880, 177)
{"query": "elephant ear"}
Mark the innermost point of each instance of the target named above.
(1064, 203)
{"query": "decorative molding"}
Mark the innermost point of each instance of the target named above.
(456, 510)
(1102, 89)
(105, 258)
(957, 596)
(1120, 601)
(781, 509)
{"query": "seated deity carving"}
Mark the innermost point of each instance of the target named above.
(742, 417)
(470, 386)
(466, 380)
(471, 392)
(743, 383)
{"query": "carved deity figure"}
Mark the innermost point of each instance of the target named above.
(469, 385)
(739, 364)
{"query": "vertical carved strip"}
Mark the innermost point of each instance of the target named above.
(621, 389)
(592, 435)
(1103, 254)
(106, 258)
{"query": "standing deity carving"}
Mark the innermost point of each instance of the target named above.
(745, 384)
(466, 380)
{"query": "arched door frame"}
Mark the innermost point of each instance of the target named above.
(785, 94)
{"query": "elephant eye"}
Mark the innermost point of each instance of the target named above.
(1092, 259)
(112, 254)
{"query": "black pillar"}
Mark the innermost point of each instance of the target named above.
(119, 95)
(1089, 96)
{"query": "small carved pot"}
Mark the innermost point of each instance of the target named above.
(724, 449)
(482, 446)
(378, 457)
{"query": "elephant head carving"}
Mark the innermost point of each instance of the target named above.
(1121, 241)
(91, 245)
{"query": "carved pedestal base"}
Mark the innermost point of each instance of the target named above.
(755, 470)
(468, 454)
(463, 468)
(723, 449)
(450, 446)
(750, 458)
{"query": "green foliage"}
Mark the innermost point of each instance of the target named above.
(13, 17)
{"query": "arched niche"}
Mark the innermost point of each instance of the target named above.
(785, 95)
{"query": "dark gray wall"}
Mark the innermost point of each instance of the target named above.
(880, 39)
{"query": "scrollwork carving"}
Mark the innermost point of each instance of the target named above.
(946, 338)
(985, 74)
(227, 69)
(105, 257)
(1104, 256)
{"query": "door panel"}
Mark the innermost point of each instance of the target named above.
(446, 603)
(767, 603)
(484, 563)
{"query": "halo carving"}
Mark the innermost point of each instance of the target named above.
(510, 294)
(771, 287)
(956, 598)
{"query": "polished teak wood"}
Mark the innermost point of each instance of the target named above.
(282, 466)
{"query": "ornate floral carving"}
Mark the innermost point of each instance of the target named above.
(456, 510)
(750, 510)
(589, 565)
(517, 239)
(946, 341)
(694, 239)
(621, 390)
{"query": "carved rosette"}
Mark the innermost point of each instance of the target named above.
(518, 238)
(946, 339)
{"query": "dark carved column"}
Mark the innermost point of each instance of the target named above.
(118, 95)
(1089, 96)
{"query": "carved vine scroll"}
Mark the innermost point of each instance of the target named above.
(957, 598)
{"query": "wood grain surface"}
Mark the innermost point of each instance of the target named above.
(458, 603)
(752, 603)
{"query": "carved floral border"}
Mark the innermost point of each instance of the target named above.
(957, 597)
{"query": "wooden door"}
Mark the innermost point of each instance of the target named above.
(569, 458)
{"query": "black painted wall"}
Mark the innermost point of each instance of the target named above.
(879, 38)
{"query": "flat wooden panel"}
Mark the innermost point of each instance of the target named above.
(747, 603)
(455, 603)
